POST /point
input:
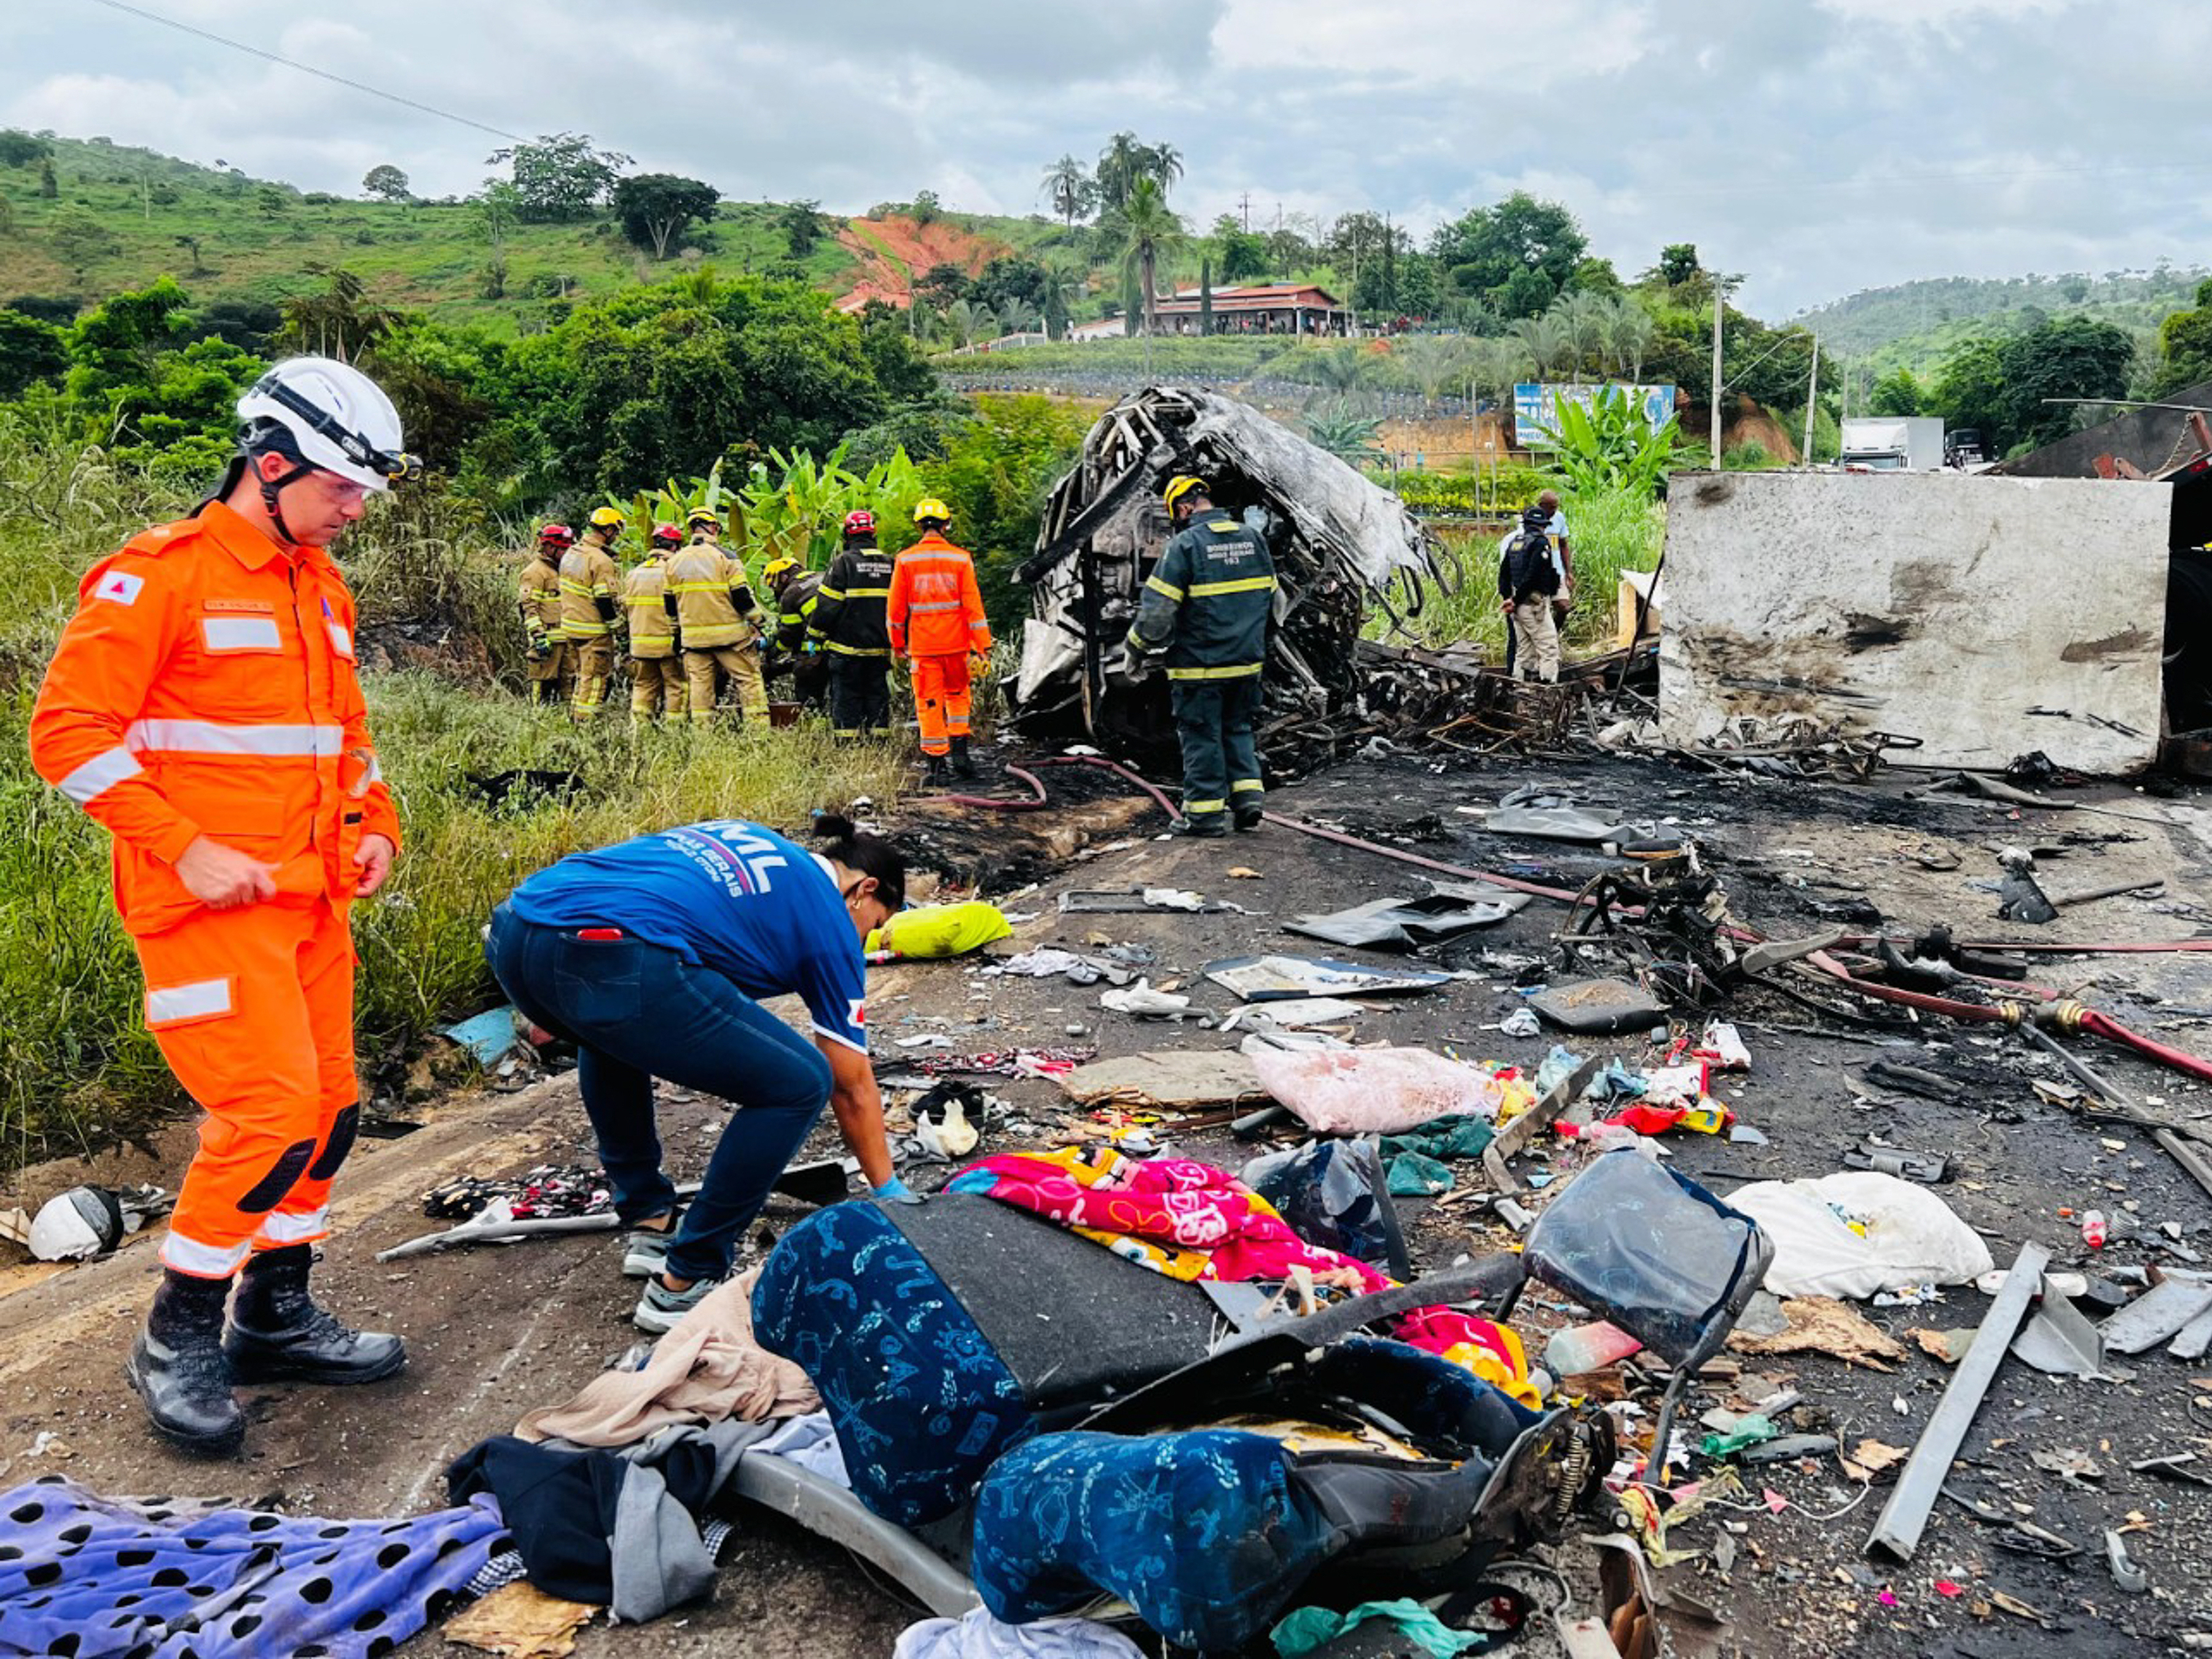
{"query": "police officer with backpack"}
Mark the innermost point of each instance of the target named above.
(1527, 578)
(1205, 610)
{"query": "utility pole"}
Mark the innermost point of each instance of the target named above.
(1719, 291)
(1812, 400)
(1245, 208)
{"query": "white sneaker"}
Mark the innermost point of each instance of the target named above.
(660, 1310)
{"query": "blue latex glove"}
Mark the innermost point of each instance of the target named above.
(896, 1191)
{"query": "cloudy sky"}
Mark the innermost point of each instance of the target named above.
(1818, 146)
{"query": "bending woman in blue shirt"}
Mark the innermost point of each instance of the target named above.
(653, 957)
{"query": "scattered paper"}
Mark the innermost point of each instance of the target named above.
(519, 1621)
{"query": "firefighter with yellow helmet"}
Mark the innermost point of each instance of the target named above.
(591, 586)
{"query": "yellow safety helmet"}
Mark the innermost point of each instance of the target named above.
(775, 568)
(930, 507)
(706, 515)
(609, 518)
(1179, 487)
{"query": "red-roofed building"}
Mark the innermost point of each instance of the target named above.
(1257, 308)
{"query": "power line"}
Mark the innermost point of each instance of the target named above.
(309, 69)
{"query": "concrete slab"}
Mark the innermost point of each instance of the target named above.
(1935, 605)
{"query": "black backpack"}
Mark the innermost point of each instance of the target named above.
(1527, 568)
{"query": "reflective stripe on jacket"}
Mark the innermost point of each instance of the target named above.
(206, 686)
(934, 607)
(539, 592)
(1208, 601)
(795, 610)
(651, 630)
(849, 609)
(587, 577)
(704, 581)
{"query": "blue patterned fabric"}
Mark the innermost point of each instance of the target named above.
(99, 1578)
(921, 1402)
(1204, 1534)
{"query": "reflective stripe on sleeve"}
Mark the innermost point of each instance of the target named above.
(201, 1000)
(100, 775)
(1167, 588)
(1243, 585)
(208, 738)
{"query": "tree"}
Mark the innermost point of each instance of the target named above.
(1120, 164)
(272, 201)
(1010, 278)
(561, 176)
(654, 209)
(1146, 231)
(1069, 188)
(2185, 347)
(1678, 262)
(338, 322)
(1162, 165)
(942, 284)
(387, 182)
(1630, 333)
(1896, 393)
(1243, 253)
(49, 187)
(118, 342)
(30, 351)
(191, 244)
(496, 212)
(802, 224)
(1486, 249)
(19, 148)
(926, 207)
(80, 241)
(1970, 392)
(2071, 356)
(1205, 296)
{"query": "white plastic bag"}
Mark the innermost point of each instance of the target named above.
(1373, 1091)
(1911, 1236)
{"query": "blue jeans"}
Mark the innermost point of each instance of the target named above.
(637, 1012)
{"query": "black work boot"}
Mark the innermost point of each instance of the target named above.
(962, 765)
(277, 1334)
(1209, 827)
(178, 1368)
(935, 771)
(1250, 817)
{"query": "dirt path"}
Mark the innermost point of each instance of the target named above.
(496, 1331)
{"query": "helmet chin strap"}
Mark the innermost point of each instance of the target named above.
(268, 488)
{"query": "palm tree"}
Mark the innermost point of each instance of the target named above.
(1069, 188)
(1435, 362)
(1164, 163)
(1497, 365)
(1120, 164)
(1628, 336)
(968, 321)
(1542, 339)
(1147, 232)
(1584, 319)
(1018, 317)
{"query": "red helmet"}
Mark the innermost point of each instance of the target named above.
(667, 533)
(556, 535)
(859, 522)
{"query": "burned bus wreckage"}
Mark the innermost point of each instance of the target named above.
(1342, 546)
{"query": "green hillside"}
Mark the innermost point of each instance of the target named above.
(259, 242)
(1917, 325)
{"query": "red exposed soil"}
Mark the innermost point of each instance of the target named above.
(914, 248)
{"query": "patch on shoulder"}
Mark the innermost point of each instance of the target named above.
(119, 587)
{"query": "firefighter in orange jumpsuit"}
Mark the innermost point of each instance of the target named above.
(202, 706)
(935, 619)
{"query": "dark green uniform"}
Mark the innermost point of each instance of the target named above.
(1207, 605)
(848, 621)
(794, 617)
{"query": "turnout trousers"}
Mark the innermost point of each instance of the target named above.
(860, 697)
(254, 1011)
(553, 679)
(1220, 757)
(637, 1012)
(595, 672)
(656, 686)
(705, 666)
(941, 700)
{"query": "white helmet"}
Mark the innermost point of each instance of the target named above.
(333, 416)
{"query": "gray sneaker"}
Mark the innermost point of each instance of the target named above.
(645, 1250)
(659, 1308)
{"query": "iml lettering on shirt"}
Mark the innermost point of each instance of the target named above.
(734, 854)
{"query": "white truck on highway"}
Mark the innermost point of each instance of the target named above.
(1904, 443)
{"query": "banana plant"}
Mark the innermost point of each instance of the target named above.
(1609, 445)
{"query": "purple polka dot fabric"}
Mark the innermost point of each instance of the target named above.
(84, 1576)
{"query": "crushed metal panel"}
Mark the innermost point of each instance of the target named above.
(1936, 606)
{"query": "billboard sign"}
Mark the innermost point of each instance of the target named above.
(1535, 405)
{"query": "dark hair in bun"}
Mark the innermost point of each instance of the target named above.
(872, 856)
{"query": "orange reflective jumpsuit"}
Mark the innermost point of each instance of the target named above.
(935, 617)
(206, 687)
